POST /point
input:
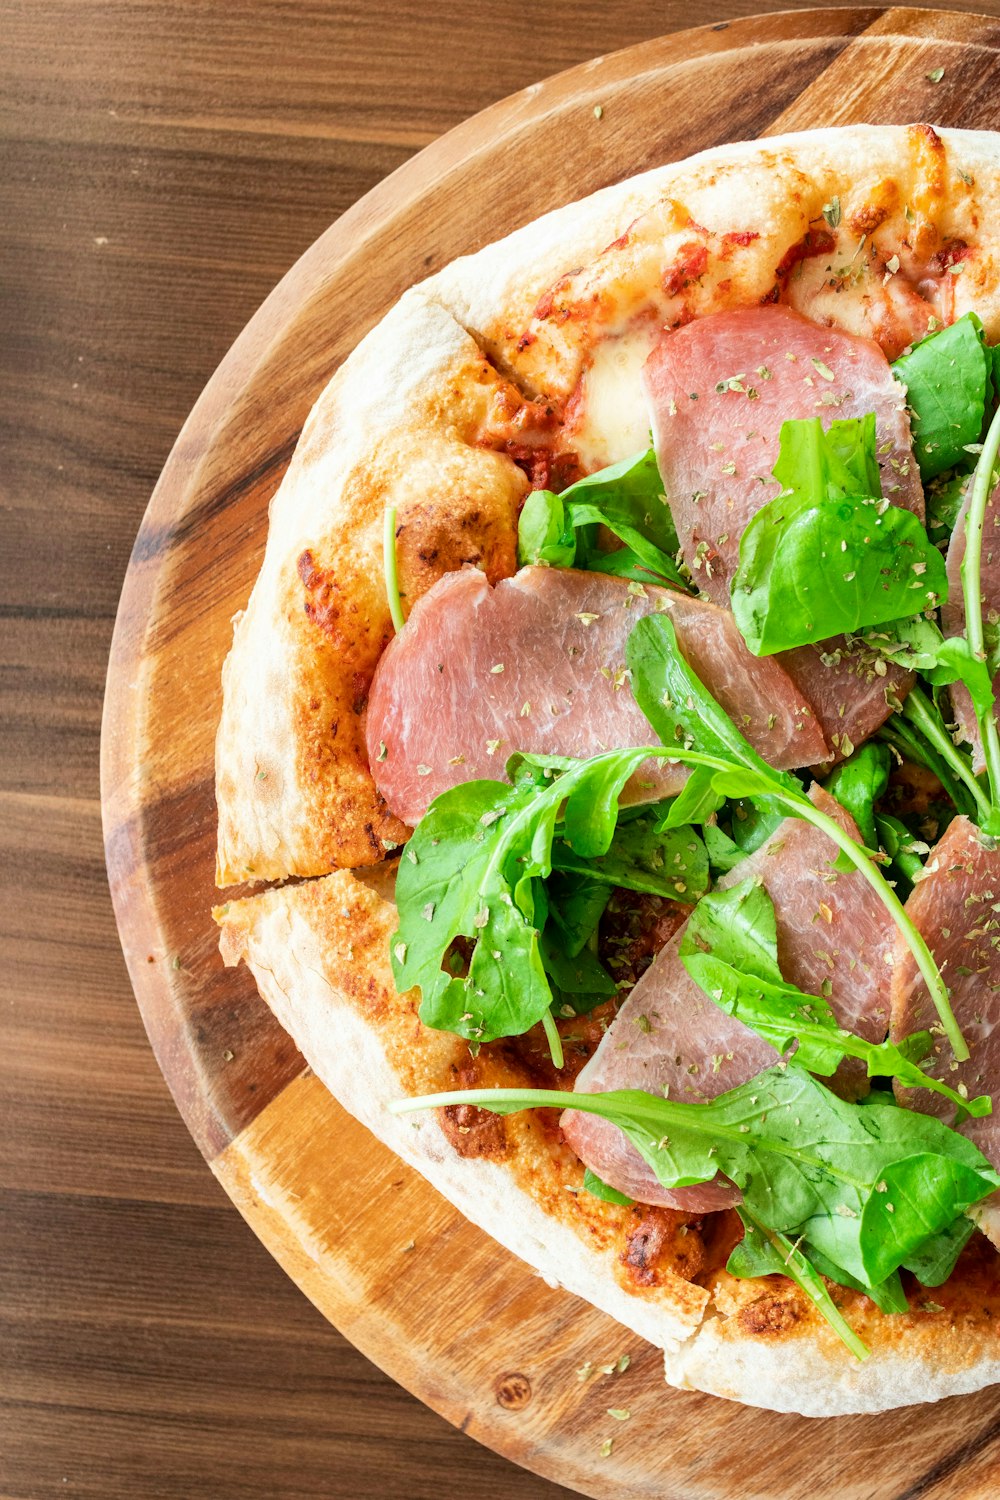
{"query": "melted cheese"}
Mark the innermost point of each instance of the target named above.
(611, 417)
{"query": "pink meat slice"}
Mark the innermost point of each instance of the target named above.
(716, 444)
(536, 664)
(956, 907)
(953, 612)
(719, 390)
(850, 690)
(834, 938)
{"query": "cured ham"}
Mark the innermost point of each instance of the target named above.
(719, 390)
(953, 611)
(537, 664)
(834, 938)
(957, 908)
(850, 690)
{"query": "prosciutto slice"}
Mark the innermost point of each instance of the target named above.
(536, 664)
(834, 938)
(716, 444)
(953, 612)
(719, 390)
(957, 908)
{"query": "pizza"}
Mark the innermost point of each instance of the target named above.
(612, 726)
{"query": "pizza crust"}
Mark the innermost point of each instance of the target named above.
(397, 427)
(539, 340)
(319, 954)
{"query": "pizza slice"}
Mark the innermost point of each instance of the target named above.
(654, 485)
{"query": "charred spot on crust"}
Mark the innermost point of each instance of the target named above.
(662, 1239)
(470, 1130)
(322, 602)
(773, 1312)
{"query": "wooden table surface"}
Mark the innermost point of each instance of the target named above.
(161, 165)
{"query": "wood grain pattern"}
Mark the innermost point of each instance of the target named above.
(162, 164)
(276, 1140)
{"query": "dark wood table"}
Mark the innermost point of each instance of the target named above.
(163, 164)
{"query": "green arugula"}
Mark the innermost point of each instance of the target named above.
(829, 556)
(474, 931)
(933, 1261)
(579, 982)
(576, 906)
(724, 853)
(645, 856)
(730, 949)
(628, 499)
(593, 1185)
(949, 382)
(765, 1252)
(390, 569)
(904, 851)
(868, 1187)
(983, 700)
(858, 783)
(687, 717)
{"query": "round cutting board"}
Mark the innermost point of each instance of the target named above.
(438, 1305)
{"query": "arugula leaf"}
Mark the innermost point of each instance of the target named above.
(625, 562)
(592, 1184)
(765, 1252)
(644, 856)
(828, 462)
(471, 871)
(724, 854)
(582, 981)
(752, 827)
(730, 949)
(827, 557)
(628, 499)
(905, 851)
(982, 486)
(696, 802)
(944, 500)
(867, 1187)
(544, 532)
(858, 783)
(684, 714)
(948, 380)
(576, 906)
(390, 570)
(933, 1261)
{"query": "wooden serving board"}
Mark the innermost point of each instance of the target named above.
(461, 1323)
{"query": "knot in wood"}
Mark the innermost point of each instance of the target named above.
(513, 1391)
